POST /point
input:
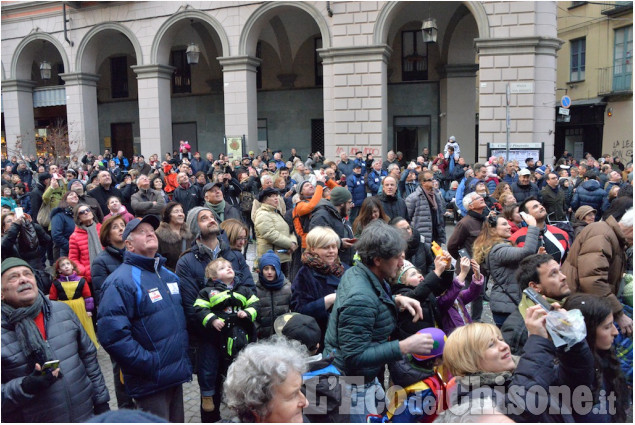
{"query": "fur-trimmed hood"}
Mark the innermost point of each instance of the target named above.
(167, 235)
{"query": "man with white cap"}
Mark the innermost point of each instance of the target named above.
(524, 188)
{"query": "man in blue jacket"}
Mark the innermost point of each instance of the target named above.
(356, 184)
(142, 326)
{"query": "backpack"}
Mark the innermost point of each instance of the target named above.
(246, 200)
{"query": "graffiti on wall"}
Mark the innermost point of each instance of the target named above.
(352, 150)
(623, 149)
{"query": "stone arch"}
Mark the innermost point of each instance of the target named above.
(385, 17)
(249, 35)
(17, 55)
(159, 38)
(83, 45)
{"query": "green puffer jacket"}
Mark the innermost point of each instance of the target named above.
(362, 319)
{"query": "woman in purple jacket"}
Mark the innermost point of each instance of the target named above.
(452, 302)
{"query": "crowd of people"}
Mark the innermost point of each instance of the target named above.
(358, 307)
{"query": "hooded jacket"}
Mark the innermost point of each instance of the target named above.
(190, 268)
(62, 227)
(142, 326)
(274, 296)
(596, 261)
(70, 398)
(589, 193)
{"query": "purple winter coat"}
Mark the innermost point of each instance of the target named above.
(451, 318)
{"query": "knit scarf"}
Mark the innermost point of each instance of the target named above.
(29, 337)
(316, 263)
(219, 209)
(94, 245)
(431, 198)
(273, 285)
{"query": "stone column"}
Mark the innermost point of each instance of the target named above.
(531, 62)
(355, 100)
(81, 112)
(241, 98)
(457, 97)
(17, 99)
(155, 108)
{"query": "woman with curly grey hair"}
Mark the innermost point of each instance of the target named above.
(264, 383)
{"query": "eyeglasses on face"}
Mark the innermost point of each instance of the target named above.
(83, 212)
(427, 180)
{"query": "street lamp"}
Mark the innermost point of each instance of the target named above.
(192, 53)
(45, 70)
(429, 29)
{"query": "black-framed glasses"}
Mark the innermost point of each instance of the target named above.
(83, 212)
(427, 180)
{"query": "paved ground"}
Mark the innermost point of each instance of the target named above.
(191, 394)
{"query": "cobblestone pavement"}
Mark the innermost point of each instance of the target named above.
(191, 395)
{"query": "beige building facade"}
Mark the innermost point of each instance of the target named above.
(331, 76)
(595, 69)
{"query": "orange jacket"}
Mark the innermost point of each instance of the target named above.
(305, 207)
(170, 180)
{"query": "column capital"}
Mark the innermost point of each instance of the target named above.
(458, 70)
(80, 78)
(332, 55)
(18, 85)
(153, 71)
(518, 46)
(239, 63)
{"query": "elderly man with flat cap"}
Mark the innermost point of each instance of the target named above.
(37, 333)
(141, 324)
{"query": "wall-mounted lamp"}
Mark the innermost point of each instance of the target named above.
(609, 112)
(45, 70)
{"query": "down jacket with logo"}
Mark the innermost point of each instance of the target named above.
(73, 396)
(142, 326)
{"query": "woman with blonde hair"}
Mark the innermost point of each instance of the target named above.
(499, 258)
(238, 234)
(313, 289)
(483, 366)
